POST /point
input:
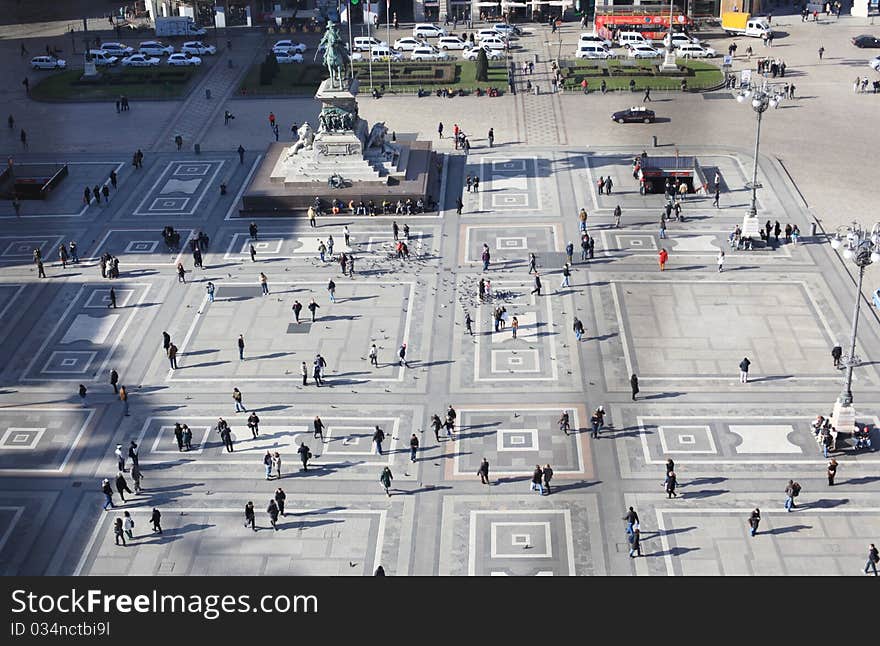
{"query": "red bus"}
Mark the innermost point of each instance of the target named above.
(650, 22)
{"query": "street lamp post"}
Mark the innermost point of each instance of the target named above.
(762, 97)
(862, 247)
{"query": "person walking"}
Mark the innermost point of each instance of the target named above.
(873, 559)
(483, 471)
(118, 531)
(754, 520)
(272, 510)
(671, 483)
(178, 436)
(385, 478)
(831, 472)
(631, 518)
(491, 137)
(114, 381)
(744, 370)
(188, 437)
(253, 423)
(537, 289)
(331, 290)
(821, 52)
(236, 397)
(566, 275)
(267, 463)
(264, 284)
(662, 257)
(378, 438)
(374, 356)
(836, 355)
(313, 306)
(636, 543)
(440, 125)
(792, 490)
(240, 154)
(250, 517)
(107, 490)
(547, 474)
(276, 464)
(112, 299)
(122, 486)
(634, 384)
(123, 397)
(402, 355)
(304, 455)
(241, 347)
(717, 198)
(156, 520)
(225, 434)
(720, 261)
(413, 447)
(436, 424)
(128, 525)
(537, 482)
(120, 458)
(280, 497)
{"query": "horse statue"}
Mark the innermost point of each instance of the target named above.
(336, 55)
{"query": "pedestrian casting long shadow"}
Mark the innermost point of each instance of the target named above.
(322, 510)
(666, 532)
(331, 317)
(787, 530)
(172, 488)
(410, 492)
(570, 486)
(266, 409)
(274, 355)
(611, 433)
(170, 464)
(705, 493)
(674, 551)
(703, 481)
(770, 378)
(306, 524)
(171, 534)
(194, 353)
(359, 298)
(823, 504)
(862, 480)
(207, 364)
(452, 455)
(662, 395)
(419, 364)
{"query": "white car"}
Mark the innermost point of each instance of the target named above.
(471, 53)
(588, 38)
(511, 31)
(288, 57)
(48, 63)
(489, 33)
(197, 48)
(288, 45)
(493, 42)
(678, 39)
(101, 58)
(408, 44)
(117, 49)
(593, 50)
(450, 42)
(183, 59)
(643, 51)
(140, 60)
(692, 50)
(155, 48)
(875, 63)
(428, 30)
(428, 53)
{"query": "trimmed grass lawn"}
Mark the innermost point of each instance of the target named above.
(406, 77)
(161, 82)
(617, 74)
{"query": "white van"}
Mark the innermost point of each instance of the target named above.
(593, 50)
(381, 53)
(102, 58)
(366, 43)
(632, 38)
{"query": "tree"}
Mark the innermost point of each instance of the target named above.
(482, 66)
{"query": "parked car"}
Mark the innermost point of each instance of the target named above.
(196, 47)
(450, 42)
(366, 43)
(288, 45)
(408, 44)
(471, 53)
(635, 114)
(679, 38)
(511, 31)
(183, 59)
(643, 51)
(693, 50)
(428, 53)
(117, 49)
(493, 42)
(155, 48)
(383, 53)
(589, 38)
(288, 57)
(866, 40)
(140, 60)
(48, 63)
(428, 30)
(632, 38)
(593, 50)
(101, 58)
(490, 33)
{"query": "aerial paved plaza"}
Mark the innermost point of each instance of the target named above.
(682, 331)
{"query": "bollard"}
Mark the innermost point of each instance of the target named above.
(208, 94)
(198, 149)
(813, 229)
(654, 137)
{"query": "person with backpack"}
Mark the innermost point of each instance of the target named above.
(791, 492)
(873, 559)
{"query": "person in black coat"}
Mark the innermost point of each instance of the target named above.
(156, 519)
(634, 383)
(671, 482)
(272, 510)
(636, 549)
(121, 486)
(249, 517)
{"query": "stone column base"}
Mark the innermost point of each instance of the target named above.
(843, 418)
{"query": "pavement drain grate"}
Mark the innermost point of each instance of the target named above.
(165, 567)
(298, 328)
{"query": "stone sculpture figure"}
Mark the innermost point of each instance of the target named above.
(377, 135)
(335, 55)
(306, 138)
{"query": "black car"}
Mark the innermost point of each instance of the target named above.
(636, 114)
(866, 41)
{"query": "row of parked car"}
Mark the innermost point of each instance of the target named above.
(637, 46)
(148, 54)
